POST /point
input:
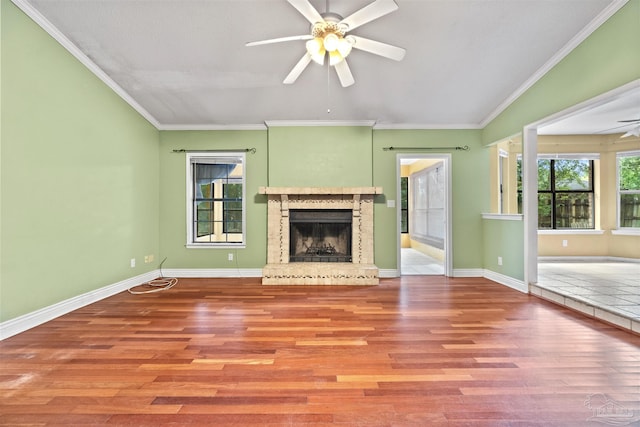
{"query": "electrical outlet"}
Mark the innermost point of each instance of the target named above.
(499, 260)
(148, 259)
(230, 256)
(565, 243)
(133, 262)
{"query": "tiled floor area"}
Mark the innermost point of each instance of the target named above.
(606, 287)
(416, 263)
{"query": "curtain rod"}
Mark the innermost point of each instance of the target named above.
(458, 148)
(246, 150)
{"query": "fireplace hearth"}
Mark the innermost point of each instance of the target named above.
(320, 236)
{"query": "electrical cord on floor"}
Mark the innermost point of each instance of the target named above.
(156, 285)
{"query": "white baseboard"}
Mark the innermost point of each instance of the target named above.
(388, 273)
(211, 273)
(516, 284)
(468, 272)
(27, 321)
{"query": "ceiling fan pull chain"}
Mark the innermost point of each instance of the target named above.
(328, 88)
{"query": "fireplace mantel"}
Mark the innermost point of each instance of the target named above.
(361, 271)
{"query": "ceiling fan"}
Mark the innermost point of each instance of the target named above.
(330, 36)
(634, 131)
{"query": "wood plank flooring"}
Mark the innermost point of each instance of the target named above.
(413, 351)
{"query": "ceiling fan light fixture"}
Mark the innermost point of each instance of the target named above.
(315, 49)
(345, 45)
(335, 57)
(331, 42)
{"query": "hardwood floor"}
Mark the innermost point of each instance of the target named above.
(413, 351)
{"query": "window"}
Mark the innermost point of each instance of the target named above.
(629, 189)
(565, 192)
(503, 159)
(216, 202)
(427, 206)
(404, 204)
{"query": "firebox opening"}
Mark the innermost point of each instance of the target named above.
(320, 235)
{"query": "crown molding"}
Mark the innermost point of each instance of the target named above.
(47, 26)
(607, 13)
(426, 126)
(320, 123)
(213, 127)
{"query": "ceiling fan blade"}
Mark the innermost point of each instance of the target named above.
(298, 69)
(344, 73)
(307, 10)
(280, 39)
(378, 48)
(368, 13)
(629, 121)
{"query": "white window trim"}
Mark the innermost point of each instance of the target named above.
(189, 180)
(570, 156)
(629, 231)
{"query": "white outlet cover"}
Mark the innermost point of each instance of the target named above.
(391, 203)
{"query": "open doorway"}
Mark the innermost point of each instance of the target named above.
(594, 264)
(424, 236)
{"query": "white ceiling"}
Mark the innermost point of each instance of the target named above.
(183, 64)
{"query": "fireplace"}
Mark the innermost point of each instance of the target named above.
(320, 236)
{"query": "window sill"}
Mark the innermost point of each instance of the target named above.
(503, 217)
(571, 231)
(215, 246)
(626, 232)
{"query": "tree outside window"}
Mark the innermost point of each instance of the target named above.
(629, 190)
(565, 193)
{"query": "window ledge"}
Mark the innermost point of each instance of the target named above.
(214, 246)
(571, 231)
(626, 232)
(503, 217)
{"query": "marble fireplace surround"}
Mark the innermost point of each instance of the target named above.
(279, 271)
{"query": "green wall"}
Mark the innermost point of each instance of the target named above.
(504, 238)
(79, 175)
(470, 189)
(338, 156)
(321, 156)
(173, 222)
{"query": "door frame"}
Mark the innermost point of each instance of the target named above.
(448, 243)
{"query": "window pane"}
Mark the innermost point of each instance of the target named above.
(544, 175)
(629, 172)
(630, 210)
(572, 174)
(404, 192)
(216, 214)
(404, 221)
(544, 210)
(574, 210)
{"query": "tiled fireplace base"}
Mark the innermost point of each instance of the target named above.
(320, 273)
(279, 271)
